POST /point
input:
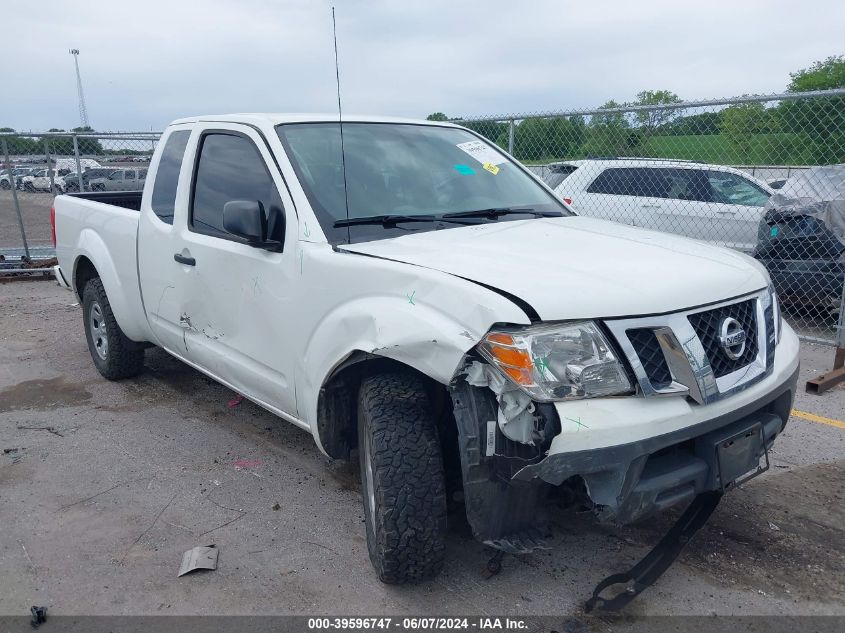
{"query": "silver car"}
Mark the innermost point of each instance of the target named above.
(124, 179)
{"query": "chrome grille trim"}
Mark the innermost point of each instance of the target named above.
(692, 374)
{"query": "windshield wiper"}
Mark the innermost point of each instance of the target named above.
(495, 212)
(391, 219)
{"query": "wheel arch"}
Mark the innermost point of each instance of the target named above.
(337, 403)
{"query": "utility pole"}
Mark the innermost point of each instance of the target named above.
(83, 112)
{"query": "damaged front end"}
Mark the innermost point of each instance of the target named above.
(507, 401)
(506, 420)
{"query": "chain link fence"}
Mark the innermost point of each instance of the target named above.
(755, 174)
(34, 167)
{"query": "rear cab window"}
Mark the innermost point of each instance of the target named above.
(167, 176)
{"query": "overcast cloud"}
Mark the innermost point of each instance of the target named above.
(146, 62)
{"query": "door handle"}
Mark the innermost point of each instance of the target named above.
(182, 259)
(650, 206)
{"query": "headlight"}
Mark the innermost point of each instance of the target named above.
(557, 362)
(778, 318)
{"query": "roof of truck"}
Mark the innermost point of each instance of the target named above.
(277, 118)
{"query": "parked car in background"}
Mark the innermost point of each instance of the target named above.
(717, 204)
(24, 172)
(72, 181)
(40, 181)
(26, 181)
(69, 164)
(8, 177)
(802, 238)
(123, 179)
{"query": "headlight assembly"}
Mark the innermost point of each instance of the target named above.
(557, 362)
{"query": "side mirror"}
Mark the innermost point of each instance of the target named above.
(247, 219)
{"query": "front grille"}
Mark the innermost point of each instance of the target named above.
(651, 356)
(706, 325)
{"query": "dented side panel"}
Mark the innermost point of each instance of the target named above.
(350, 303)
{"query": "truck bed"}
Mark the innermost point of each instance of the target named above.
(100, 229)
(125, 199)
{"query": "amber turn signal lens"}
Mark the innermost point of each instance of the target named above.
(511, 356)
(500, 337)
(519, 376)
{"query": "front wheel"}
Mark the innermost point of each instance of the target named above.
(402, 478)
(114, 355)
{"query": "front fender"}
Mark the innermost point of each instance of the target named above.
(424, 319)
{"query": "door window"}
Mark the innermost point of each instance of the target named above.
(130, 175)
(630, 181)
(734, 189)
(231, 168)
(686, 184)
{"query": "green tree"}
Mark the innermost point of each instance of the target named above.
(608, 134)
(19, 145)
(545, 139)
(693, 125)
(436, 116)
(822, 120)
(491, 130)
(741, 123)
(649, 121)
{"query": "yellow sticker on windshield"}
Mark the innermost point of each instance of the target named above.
(493, 169)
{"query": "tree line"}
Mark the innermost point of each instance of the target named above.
(802, 130)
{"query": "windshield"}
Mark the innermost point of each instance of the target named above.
(405, 170)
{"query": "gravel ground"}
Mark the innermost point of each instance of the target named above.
(35, 210)
(96, 513)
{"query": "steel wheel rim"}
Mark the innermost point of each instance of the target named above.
(370, 496)
(97, 325)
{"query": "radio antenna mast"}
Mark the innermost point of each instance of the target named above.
(340, 124)
(83, 111)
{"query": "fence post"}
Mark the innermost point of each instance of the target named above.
(49, 163)
(15, 196)
(836, 375)
(510, 137)
(78, 164)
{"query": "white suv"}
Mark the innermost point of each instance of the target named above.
(717, 204)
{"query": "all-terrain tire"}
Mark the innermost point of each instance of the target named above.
(402, 478)
(115, 356)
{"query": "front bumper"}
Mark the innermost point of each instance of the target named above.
(665, 459)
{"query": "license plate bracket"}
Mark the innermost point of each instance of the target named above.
(739, 456)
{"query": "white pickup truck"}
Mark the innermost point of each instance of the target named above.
(408, 290)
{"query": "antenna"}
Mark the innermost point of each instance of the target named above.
(83, 112)
(340, 124)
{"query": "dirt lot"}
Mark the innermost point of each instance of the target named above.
(35, 209)
(96, 513)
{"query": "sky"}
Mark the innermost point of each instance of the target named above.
(147, 62)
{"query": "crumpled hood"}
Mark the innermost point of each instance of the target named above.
(580, 268)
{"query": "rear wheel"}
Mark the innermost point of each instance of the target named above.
(402, 478)
(114, 355)
(4, 184)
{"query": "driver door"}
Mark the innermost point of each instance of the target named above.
(235, 301)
